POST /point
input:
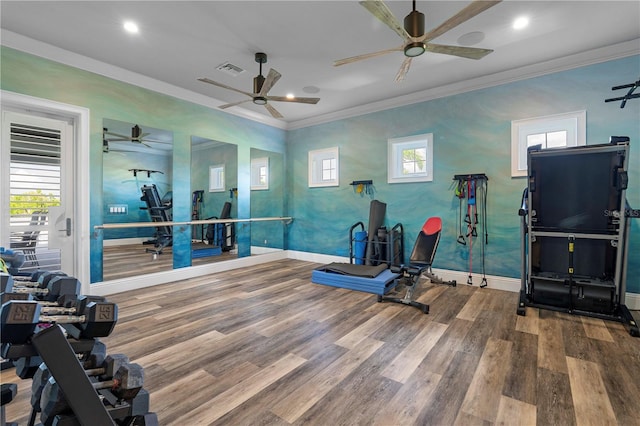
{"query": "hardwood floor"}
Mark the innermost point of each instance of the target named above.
(133, 260)
(265, 346)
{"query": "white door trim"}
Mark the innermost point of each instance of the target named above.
(80, 117)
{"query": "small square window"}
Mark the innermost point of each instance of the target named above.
(260, 173)
(324, 167)
(216, 178)
(554, 131)
(410, 159)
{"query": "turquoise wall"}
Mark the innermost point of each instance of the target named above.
(269, 203)
(122, 187)
(111, 99)
(472, 134)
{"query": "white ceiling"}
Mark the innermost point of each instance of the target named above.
(180, 41)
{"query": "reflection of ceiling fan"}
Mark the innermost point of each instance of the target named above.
(261, 87)
(136, 137)
(416, 41)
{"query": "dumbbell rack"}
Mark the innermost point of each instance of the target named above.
(61, 347)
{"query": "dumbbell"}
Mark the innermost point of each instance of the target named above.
(56, 287)
(125, 385)
(67, 304)
(106, 368)
(20, 318)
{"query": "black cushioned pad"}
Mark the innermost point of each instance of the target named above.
(353, 270)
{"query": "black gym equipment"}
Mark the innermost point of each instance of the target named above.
(420, 261)
(20, 318)
(379, 244)
(575, 222)
(222, 235)
(630, 95)
(160, 211)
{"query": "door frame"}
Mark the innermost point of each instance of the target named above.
(80, 118)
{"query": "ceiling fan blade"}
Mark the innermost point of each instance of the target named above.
(366, 56)
(233, 104)
(118, 135)
(298, 100)
(224, 86)
(272, 79)
(382, 12)
(404, 69)
(476, 7)
(463, 52)
(273, 111)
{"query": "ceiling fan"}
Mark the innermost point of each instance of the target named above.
(416, 40)
(136, 137)
(261, 87)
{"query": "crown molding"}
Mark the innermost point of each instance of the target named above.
(56, 54)
(603, 54)
(45, 50)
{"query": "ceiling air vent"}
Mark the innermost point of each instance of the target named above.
(229, 68)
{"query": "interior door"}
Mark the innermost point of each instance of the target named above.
(37, 190)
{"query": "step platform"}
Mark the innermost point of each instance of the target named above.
(369, 279)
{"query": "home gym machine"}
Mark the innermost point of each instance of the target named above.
(575, 222)
(159, 210)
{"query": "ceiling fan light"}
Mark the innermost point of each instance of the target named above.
(260, 100)
(414, 49)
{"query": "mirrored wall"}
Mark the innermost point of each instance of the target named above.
(214, 191)
(135, 158)
(267, 200)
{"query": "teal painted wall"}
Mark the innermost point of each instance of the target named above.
(269, 203)
(472, 134)
(107, 98)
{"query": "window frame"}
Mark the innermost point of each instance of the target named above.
(216, 178)
(316, 157)
(256, 165)
(395, 147)
(574, 123)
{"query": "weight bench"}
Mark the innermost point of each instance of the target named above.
(422, 255)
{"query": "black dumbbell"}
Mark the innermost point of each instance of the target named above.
(20, 318)
(56, 287)
(125, 385)
(97, 364)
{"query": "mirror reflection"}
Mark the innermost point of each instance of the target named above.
(267, 200)
(214, 191)
(137, 176)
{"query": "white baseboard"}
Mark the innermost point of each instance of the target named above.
(124, 241)
(131, 283)
(269, 255)
(632, 300)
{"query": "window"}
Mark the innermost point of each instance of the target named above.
(410, 159)
(324, 167)
(260, 173)
(553, 131)
(216, 178)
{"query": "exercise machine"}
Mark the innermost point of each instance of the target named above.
(575, 223)
(160, 211)
(222, 235)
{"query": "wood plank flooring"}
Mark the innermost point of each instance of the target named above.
(133, 260)
(265, 346)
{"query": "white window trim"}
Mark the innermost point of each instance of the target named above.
(575, 123)
(216, 184)
(394, 158)
(256, 165)
(315, 167)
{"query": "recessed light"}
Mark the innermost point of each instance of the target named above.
(520, 23)
(310, 89)
(131, 27)
(290, 96)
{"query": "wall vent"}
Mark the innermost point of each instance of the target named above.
(229, 68)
